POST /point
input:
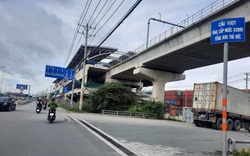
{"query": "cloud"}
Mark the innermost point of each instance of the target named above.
(36, 33)
(30, 38)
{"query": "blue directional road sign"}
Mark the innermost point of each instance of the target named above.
(22, 86)
(65, 89)
(228, 30)
(59, 72)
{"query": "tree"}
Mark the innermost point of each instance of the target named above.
(112, 96)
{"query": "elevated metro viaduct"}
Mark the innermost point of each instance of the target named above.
(188, 48)
(167, 60)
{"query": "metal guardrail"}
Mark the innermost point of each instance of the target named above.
(67, 103)
(232, 145)
(191, 20)
(127, 113)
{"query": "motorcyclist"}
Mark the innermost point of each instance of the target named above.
(45, 103)
(39, 102)
(52, 106)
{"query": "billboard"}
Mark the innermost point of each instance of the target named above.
(59, 72)
(21, 86)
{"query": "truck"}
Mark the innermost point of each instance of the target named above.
(207, 106)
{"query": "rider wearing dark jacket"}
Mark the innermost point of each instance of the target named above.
(39, 102)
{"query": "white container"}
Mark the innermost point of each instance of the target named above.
(208, 97)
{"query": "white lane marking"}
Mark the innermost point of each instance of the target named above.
(155, 150)
(101, 138)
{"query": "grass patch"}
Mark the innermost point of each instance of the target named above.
(242, 152)
(71, 109)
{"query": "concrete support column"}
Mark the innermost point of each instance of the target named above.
(138, 89)
(159, 79)
(124, 82)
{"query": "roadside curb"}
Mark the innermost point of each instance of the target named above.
(23, 102)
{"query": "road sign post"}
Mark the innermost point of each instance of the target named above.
(224, 31)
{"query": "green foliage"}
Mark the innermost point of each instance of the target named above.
(154, 107)
(115, 96)
(149, 107)
(242, 152)
(112, 96)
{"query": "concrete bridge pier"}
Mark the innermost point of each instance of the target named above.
(159, 79)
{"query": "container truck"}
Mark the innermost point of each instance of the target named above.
(207, 106)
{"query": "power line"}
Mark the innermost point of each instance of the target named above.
(101, 20)
(99, 13)
(75, 36)
(83, 12)
(111, 16)
(116, 26)
(86, 12)
(94, 11)
(83, 15)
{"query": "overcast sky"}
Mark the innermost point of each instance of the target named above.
(36, 33)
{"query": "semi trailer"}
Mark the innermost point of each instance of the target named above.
(207, 106)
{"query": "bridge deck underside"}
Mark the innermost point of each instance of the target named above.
(200, 54)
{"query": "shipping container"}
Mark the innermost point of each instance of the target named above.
(207, 106)
(172, 112)
(179, 98)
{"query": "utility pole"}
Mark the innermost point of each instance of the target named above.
(73, 88)
(50, 91)
(247, 79)
(29, 93)
(84, 64)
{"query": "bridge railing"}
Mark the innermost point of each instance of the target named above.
(203, 13)
(198, 16)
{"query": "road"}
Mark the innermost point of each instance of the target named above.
(161, 137)
(24, 133)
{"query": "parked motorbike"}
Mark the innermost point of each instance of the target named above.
(51, 115)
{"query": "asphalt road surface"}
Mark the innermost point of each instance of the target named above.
(163, 138)
(26, 133)
(23, 132)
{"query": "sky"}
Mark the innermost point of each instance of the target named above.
(36, 33)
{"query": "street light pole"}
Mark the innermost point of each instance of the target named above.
(161, 22)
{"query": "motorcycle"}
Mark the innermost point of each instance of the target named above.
(51, 115)
(44, 105)
(38, 107)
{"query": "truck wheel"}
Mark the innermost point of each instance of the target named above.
(230, 124)
(219, 124)
(237, 125)
(214, 126)
(197, 123)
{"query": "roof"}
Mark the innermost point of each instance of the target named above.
(96, 53)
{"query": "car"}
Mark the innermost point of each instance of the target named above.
(7, 103)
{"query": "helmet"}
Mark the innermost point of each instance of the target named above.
(53, 99)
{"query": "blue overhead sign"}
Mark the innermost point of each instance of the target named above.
(65, 89)
(22, 86)
(228, 30)
(59, 72)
